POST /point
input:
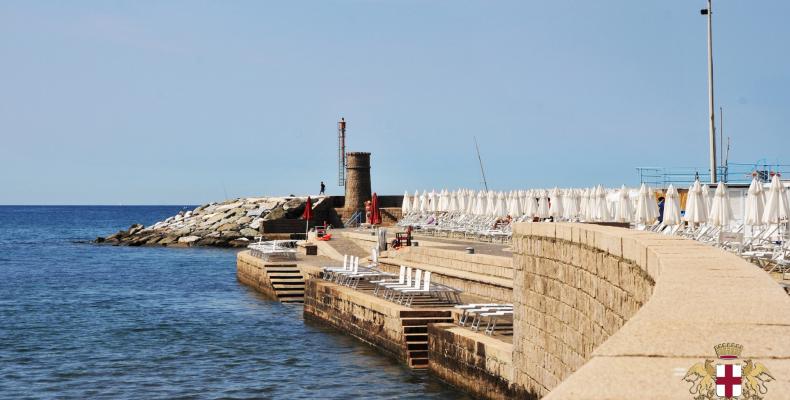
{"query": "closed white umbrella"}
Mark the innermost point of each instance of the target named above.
(425, 202)
(452, 205)
(500, 210)
(776, 207)
(584, 204)
(696, 209)
(514, 206)
(576, 203)
(720, 210)
(531, 210)
(644, 212)
(555, 205)
(706, 196)
(522, 201)
(471, 203)
(602, 213)
(589, 210)
(490, 203)
(415, 202)
(672, 207)
(405, 207)
(653, 203)
(623, 212)
(481, 203)
(571, 207)
(435, 201)
(460, 196)
(543, 205)
(755, 204)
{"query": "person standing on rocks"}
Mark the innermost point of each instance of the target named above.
(323, 188)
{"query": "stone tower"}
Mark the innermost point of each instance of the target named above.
(357, 181)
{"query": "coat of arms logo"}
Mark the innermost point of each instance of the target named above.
(728, 379)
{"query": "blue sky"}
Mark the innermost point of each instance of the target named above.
(161, 102)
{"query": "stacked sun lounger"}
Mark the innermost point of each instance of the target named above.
(274, 250)
(413, 283)
(351, 273)
(495, 315)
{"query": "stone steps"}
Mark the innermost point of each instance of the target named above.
(415, 333)
(287, 282)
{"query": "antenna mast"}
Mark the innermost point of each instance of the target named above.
(341, 152)
(482, 171)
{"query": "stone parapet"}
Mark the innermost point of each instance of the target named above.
(609, 313)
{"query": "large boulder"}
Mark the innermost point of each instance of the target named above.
(256, 223)
(277, 213)
(232, 226)
(241, 242)
(249, 232)
(169, 239)
(230, 234)
(134, 229)
(188, 239)
(294, 208)
(182, 232)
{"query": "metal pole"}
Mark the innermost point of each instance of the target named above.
(721, 145)
(712, 117)
(482, 171)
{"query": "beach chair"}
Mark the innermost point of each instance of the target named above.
(401, 280)
(407, 295)
(493, 317)
(396, 290)
(478, 314)
(387, 286)
(465, 307)
(473, 312)
(348, 266)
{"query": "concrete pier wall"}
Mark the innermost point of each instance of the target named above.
(367, 318)
(472, 361)
(250, 271)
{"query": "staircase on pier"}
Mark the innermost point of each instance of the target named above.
(415, 333)
(287, 282)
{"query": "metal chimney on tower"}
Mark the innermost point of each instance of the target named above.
(341, 152)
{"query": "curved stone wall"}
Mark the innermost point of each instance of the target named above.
(604, 312)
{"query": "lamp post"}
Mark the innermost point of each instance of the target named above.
(712, 117)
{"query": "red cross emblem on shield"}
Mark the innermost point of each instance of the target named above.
(728, 380)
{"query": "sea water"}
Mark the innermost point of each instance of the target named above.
(80, 320)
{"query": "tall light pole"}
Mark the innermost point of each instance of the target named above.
(712, 117)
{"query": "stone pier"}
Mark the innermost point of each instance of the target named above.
(599, 313)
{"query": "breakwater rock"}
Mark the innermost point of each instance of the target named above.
(232, 223)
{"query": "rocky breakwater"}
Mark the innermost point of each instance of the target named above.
(233, 223)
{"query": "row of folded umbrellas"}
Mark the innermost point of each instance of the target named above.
(639, 206)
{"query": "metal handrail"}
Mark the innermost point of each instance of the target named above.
(355, 220)
(733, 173)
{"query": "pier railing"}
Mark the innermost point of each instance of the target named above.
(734, 173)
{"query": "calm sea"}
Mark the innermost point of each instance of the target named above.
(79, 320)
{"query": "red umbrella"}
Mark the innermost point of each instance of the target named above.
(375, 213)
(308, 214)
(308, 209)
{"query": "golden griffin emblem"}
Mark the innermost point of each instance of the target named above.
(728, 379)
